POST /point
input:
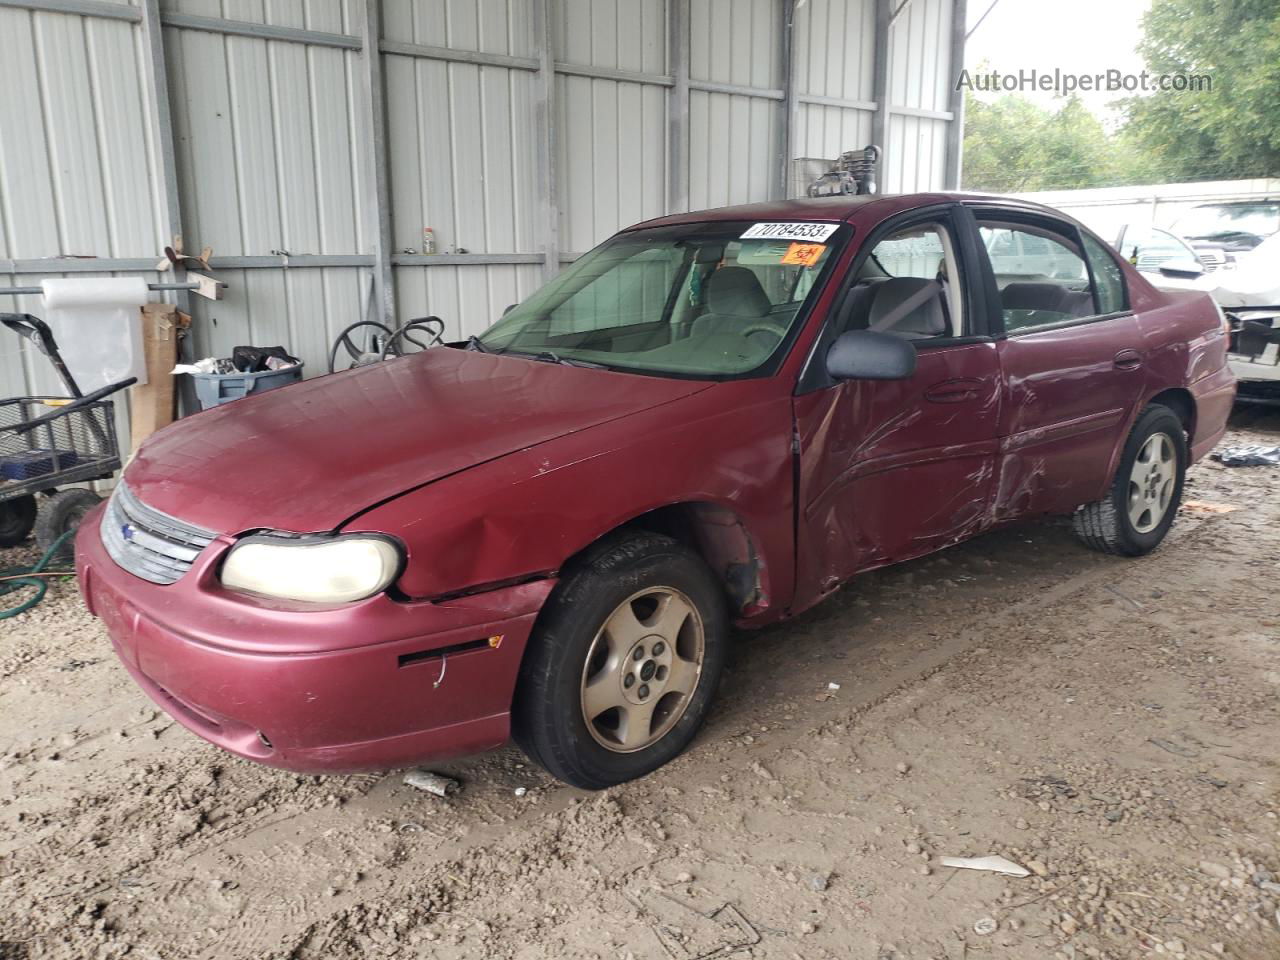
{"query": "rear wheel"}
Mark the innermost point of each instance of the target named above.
(61, 513)
(17, 517)
(1137, 512)
(623, 664)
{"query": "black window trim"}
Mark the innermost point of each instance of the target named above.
(1069, 229)
(952, 215)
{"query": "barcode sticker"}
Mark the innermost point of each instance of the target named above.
(810, 232)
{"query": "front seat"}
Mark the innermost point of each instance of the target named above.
(735, 300)
(908, 307)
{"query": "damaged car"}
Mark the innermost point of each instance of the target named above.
(711, 421)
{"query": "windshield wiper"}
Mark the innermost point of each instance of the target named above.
(475, 343)
(548, 356)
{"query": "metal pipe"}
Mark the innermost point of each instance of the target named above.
(39, 291)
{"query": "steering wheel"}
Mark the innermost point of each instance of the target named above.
(431, 327)
(764, 326)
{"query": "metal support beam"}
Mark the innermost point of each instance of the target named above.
(156, 78)
(738, 90)
(425, 51)
(955, 129)
(377, 180)
(609, 73)
(841, 102)
(544, 121)
(261, 31)
(790, 106)
(83, 8)
(678, 106)
(880, 87)
(920, 112)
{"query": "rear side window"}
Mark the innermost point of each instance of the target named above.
(1041, 274)
(1107, 277)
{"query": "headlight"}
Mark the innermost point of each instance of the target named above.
(314, 569)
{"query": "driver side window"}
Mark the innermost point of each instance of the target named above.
(908, 286)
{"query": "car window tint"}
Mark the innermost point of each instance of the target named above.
(1041, 276)
(1107, 276)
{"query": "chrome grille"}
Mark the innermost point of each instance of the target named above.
(149, 544)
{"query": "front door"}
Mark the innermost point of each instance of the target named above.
(891, 470)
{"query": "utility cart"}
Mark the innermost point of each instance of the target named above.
(47, 443)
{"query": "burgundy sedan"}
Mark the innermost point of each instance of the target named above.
(712, 419)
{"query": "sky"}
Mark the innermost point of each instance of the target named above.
(1079, 36)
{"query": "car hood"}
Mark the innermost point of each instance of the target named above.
(309, 456)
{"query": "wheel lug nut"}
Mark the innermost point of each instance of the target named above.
(629, 680)
(643, 691)
(638, 655)
(658, 648)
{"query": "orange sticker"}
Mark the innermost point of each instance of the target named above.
(803, 254)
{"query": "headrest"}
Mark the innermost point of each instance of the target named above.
(736, 292)
(925, 317)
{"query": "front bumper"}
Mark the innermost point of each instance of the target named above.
(363, 686)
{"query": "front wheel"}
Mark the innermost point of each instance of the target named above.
(623, 663)
(1137, 512)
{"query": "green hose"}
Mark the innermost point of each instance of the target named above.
(34, 577)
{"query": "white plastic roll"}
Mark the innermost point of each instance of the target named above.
(98, 327)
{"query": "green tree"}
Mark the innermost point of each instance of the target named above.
(1232, 130)
(1013, 145)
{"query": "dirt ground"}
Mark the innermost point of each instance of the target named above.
(1112, 725)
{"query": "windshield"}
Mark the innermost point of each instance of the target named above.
(696, 300)
(1228, 221)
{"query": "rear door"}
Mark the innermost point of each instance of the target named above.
(1071, 358)
(895, 469)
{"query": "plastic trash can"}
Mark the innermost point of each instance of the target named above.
(213, 389)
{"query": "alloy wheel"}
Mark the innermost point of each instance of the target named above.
(642, 669)
(1151, 482)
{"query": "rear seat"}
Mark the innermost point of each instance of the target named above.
(1048, 297)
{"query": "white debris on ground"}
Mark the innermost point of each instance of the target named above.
(1110, 725)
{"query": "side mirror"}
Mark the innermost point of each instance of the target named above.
(1182, 269)
(866, 355)
(510, 307)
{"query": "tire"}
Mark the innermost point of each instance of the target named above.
(591, 630)
(1110, 525)
(17, 517)
(60, 512)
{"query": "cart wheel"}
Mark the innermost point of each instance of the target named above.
(60, 512)
(17, 517)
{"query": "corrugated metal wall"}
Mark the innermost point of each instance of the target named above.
(276, 154)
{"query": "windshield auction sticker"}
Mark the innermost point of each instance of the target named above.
(803, 254)
(811, 232)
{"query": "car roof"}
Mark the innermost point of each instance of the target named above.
(840, 208)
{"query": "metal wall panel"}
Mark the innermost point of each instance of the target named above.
(919, 51)
(834, 57)
(916, 154)
(732, 140)
(736, 41)
(611, 154)
(488, 26)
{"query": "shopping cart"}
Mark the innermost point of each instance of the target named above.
(47, 443)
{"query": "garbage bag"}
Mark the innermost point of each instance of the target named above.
(1248, 455)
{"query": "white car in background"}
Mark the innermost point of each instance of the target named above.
(1245, 283)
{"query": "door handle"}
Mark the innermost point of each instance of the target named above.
(1128, 360)
(954, 391)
